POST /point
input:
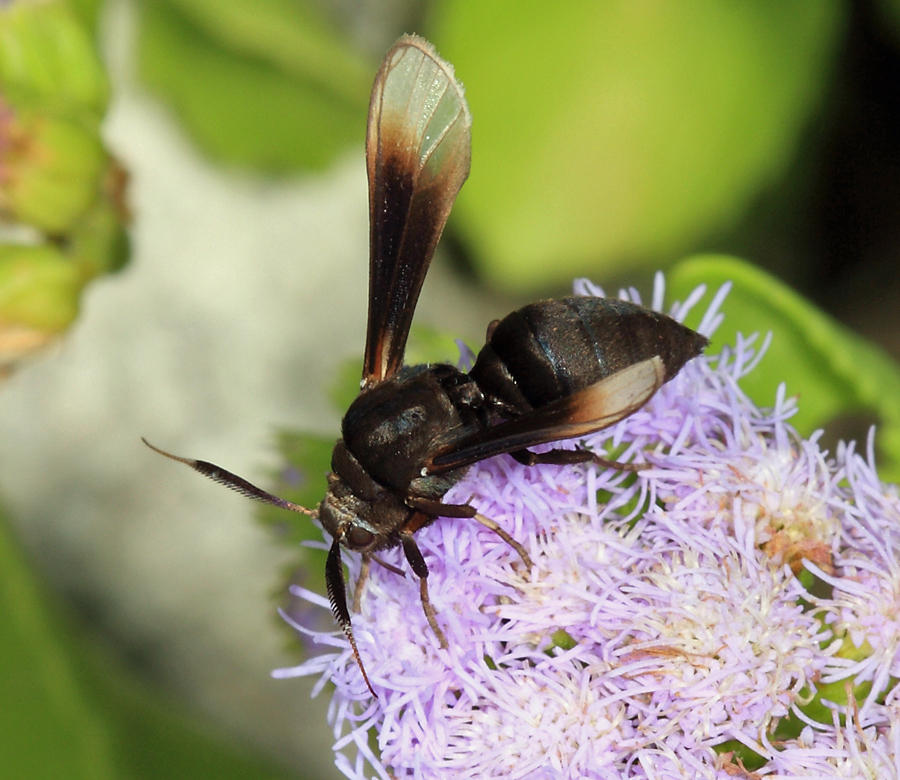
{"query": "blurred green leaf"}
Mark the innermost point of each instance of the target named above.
(832, 370)
(426, 345)
(48, 725)
(265, 84)
(152, 736)
(88, 11)
(72, 711)
(307, 458)
(302, 479)
(431, 345)
(741, 758)
(345, 387)
(288, 34)
(48, 60)
(606, 134)
(890, 13)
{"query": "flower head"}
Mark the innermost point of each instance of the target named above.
(667, 619)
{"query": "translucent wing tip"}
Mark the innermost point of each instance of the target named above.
(417, 101)
(411, 40)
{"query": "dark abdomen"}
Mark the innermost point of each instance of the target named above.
(550, 349)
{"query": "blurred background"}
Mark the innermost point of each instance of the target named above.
(183, 256)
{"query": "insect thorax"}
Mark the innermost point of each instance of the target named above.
(392, 429)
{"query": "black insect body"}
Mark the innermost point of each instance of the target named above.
(552, 370)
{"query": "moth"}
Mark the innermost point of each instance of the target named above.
(552, 370)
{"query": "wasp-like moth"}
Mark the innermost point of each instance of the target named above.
(552, 370)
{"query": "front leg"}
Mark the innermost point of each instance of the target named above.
(364, 569)
(361, 582)
(435, 509)
(438, 509)
(420, 569)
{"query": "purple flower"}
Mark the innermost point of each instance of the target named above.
(664, 622)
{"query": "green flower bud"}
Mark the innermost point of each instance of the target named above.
(39, 291)
(99, 242)
(50, 169)
(56, 179)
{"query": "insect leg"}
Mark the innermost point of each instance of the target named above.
(554, 457)
(389, 566)
(419, 567)
(361, 582)
(430, 615)
(488, 523)
(434, 508)
(363, 577)
(413, 554)
(564, 457)
(364, 570)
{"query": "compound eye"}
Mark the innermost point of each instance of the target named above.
(358, 538)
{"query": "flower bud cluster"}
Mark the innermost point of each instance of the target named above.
(61, 193)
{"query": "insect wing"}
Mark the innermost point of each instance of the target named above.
(585, 411)
(417, 156)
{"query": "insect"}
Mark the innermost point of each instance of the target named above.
(552, 370)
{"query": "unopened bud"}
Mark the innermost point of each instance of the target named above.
(39, 291)
(49, 169)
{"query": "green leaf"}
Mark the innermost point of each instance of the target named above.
(741, 759)
(49, 727)
(288, 34)
(48, 60)
(563, 639)
(606, 134)
(426, 345)
(431, 345)
(152, 736)
(257, 84)
(88, 11)
(889, 13)
(72, 710)
(832, 370)
(307, 458)
(345, 387)
(307, 461)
